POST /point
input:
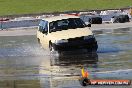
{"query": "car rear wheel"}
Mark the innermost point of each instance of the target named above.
(38, 40)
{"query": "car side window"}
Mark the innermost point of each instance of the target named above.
(43, 26)
(63, 23)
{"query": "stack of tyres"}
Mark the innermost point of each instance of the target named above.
(121, 19)
(95, 20)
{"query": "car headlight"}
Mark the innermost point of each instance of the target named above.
(88, 37)
(61, 41)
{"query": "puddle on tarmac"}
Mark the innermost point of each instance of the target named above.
(24, 64)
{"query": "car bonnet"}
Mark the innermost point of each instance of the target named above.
(70, 33)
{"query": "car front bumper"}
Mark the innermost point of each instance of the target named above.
(90, 45)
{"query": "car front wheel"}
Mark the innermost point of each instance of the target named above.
(53, 51)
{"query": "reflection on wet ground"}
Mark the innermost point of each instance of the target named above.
(24, 64)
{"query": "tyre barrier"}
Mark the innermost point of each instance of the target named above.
(95, 20)
(103, 18)
(121, 19)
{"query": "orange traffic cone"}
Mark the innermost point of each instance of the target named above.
(85, 74)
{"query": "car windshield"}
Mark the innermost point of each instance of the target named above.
(65, 24)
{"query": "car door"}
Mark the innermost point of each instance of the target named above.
(43, 32)
(40, 29)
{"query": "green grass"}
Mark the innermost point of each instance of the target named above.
(13, 7)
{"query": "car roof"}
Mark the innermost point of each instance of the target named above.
(55, 18)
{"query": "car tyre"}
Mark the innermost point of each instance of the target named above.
(38, 40)
(53, 51)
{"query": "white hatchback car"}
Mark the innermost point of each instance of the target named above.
(65, 33)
